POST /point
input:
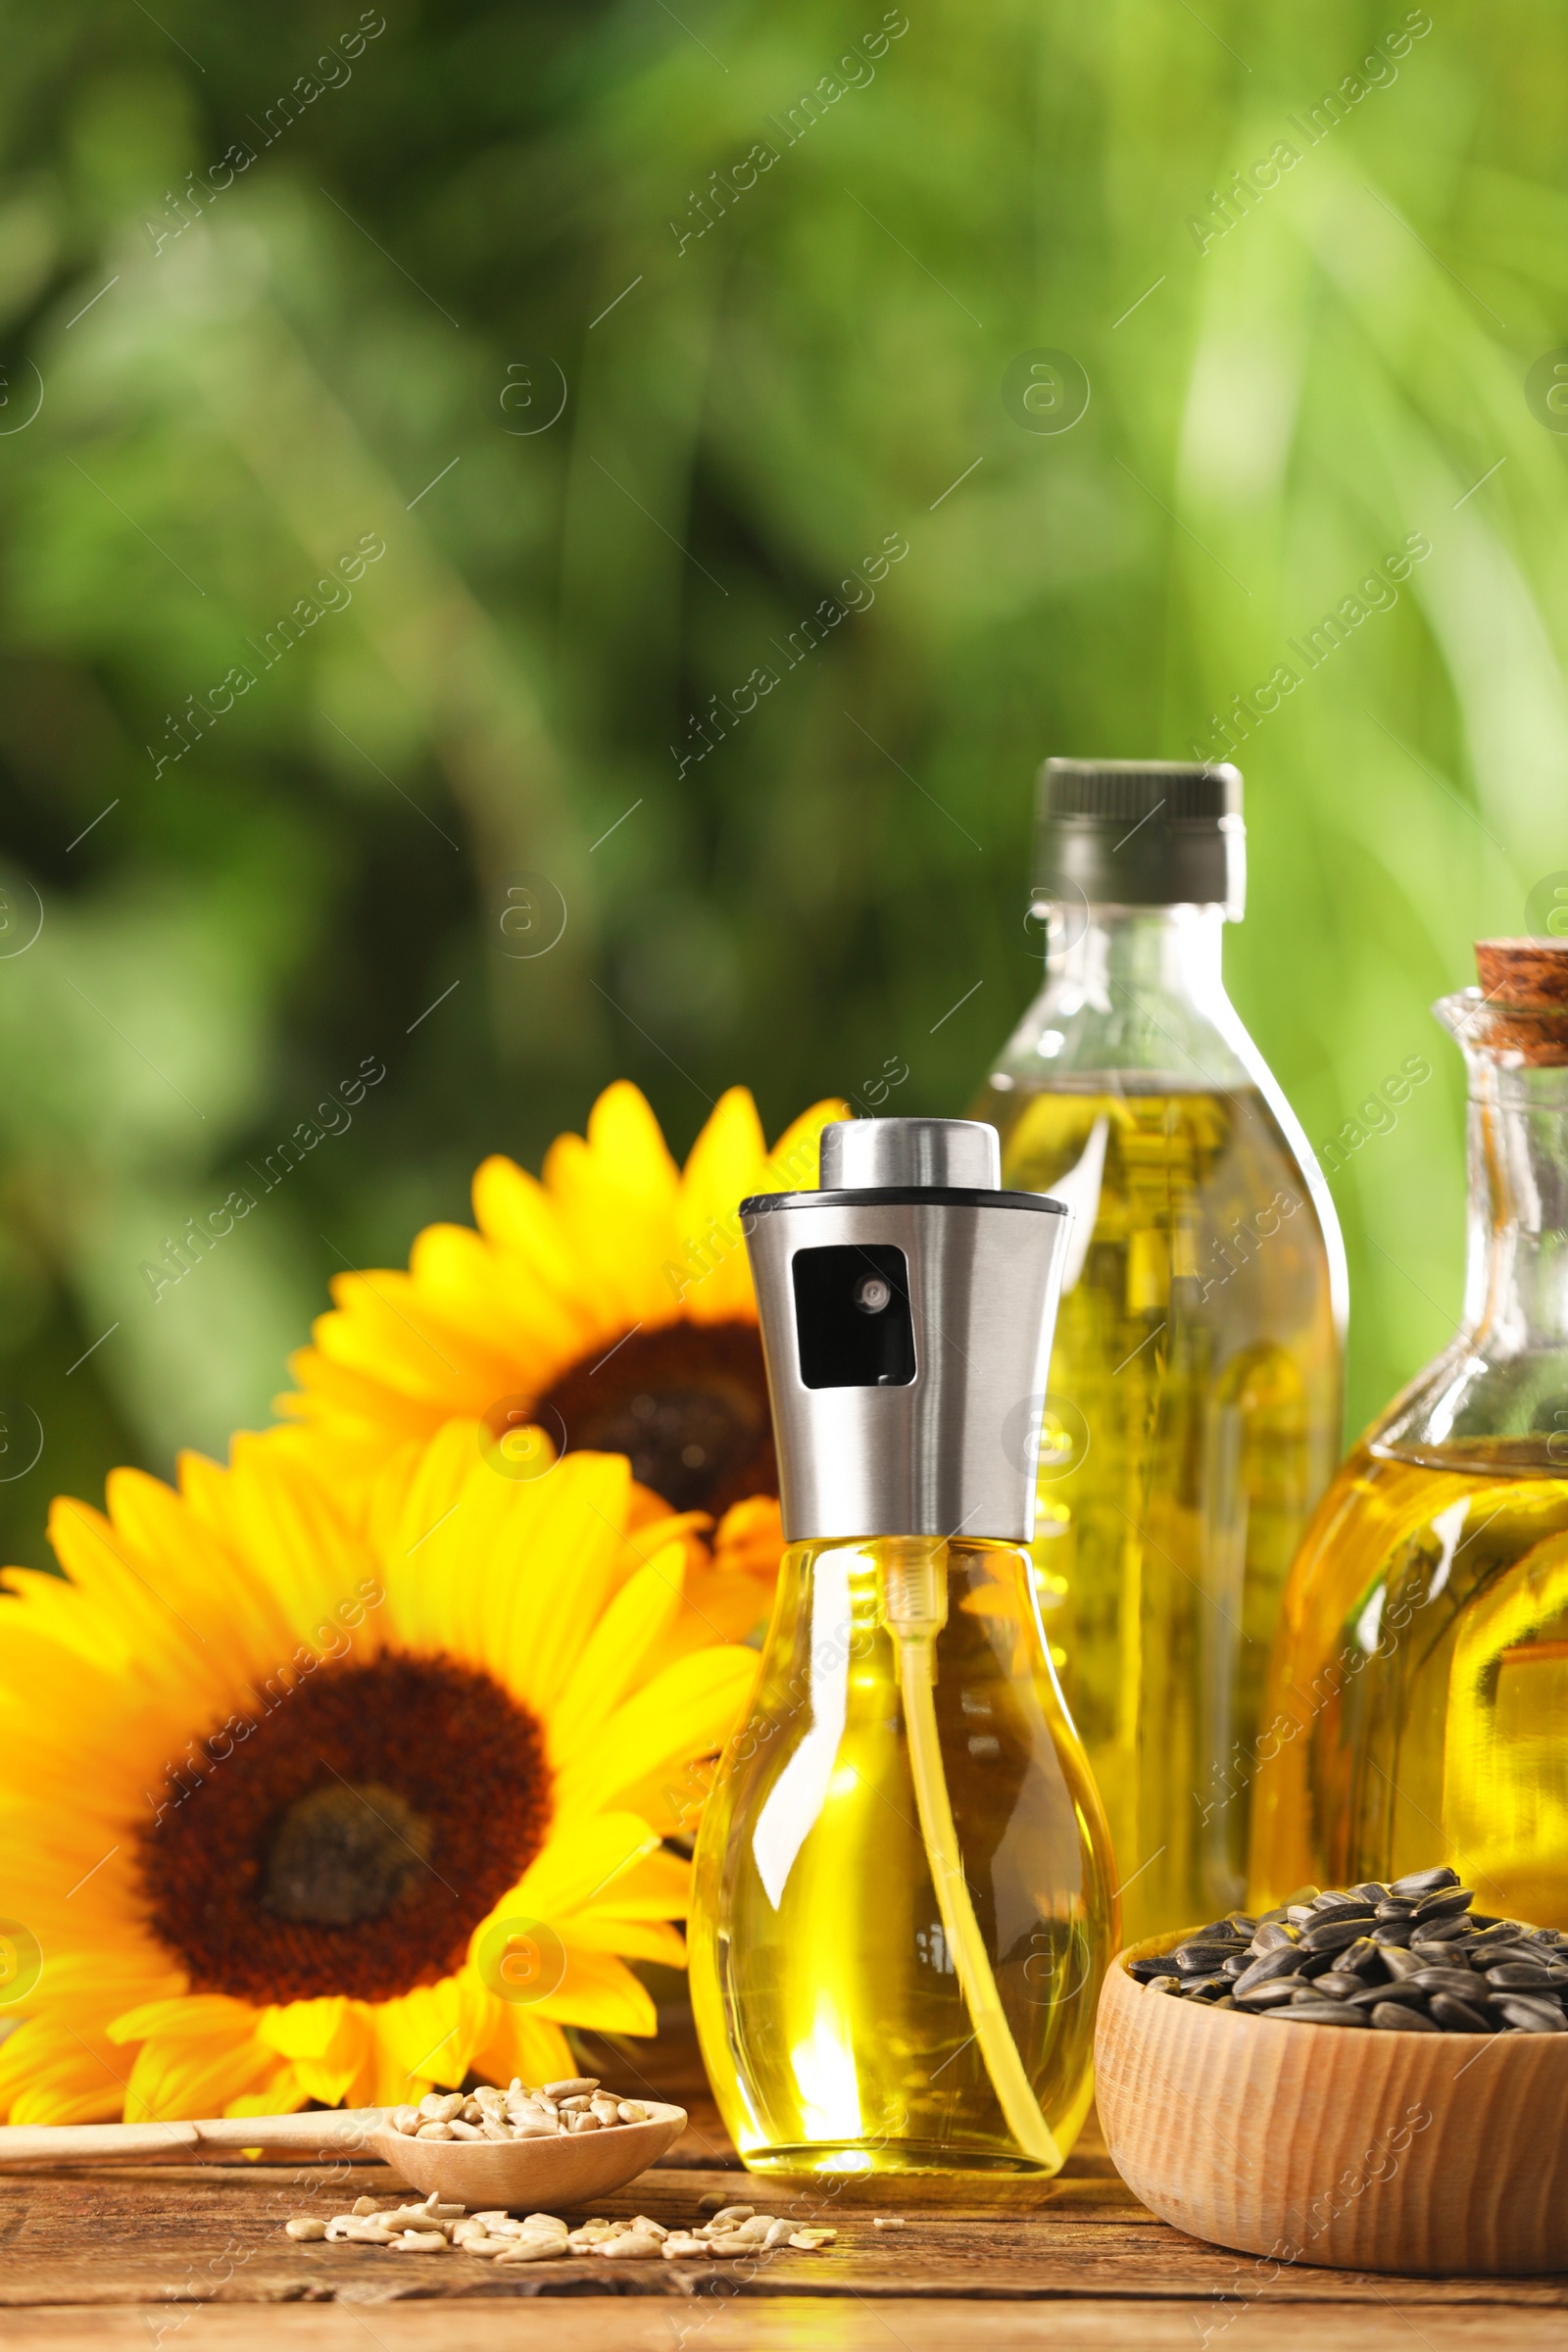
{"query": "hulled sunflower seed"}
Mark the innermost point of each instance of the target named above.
(306, 2227)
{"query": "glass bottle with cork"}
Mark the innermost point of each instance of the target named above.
(1193, 1414)
(1419, 1691)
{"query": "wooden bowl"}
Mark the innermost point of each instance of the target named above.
(549, 2175)
(1435, 2153)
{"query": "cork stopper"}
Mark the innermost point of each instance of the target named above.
(1524, 985)
(1523, 971)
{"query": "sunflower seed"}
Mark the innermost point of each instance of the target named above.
(1272, 1995)
(810, 2239)
(1534, 2016)
(307, 2226)
(1417, 1883)
(1397, 2016)
(439, 2107)
(1331, 1905)
(730, 2216)
(1283, 1961)
(1201, 1959)
(1457, 1982)
(576, 2086)
(1320, 2013)
(1335, 1935)
(1443, 1902)
(631, 2110)
(1522, 1973)
(1458, 2015)
(1335, 1986)
(681, 2242)
(420, 2241)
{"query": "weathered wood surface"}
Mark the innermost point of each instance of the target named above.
(172, 2235)
(192, 2258)
(782, 2324)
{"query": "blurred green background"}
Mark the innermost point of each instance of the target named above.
(361, 335)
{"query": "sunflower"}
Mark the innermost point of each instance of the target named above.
(609, 1303)
(301, 1802)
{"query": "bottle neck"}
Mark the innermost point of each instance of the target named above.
(1132, 988)
(1496, 1398)
(1094, 952)
(1516, 1274)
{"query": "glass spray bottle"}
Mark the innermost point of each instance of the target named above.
(902, 1907)
(1194, 1413)
(1418, 1702)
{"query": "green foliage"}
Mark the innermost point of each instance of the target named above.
(755, 408)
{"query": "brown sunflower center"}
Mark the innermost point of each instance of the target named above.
(345, 1853)
(350, 1838)
(688, 1404)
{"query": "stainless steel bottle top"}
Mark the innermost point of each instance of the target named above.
(907, 1311)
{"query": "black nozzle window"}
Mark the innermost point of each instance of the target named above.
(851, 1317)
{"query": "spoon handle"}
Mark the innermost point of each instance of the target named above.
(324, 2131)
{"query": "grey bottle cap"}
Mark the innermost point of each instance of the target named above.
(857, 1152)
(1141, 833)
(907, 1312)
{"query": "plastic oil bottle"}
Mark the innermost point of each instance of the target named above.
(1193, 1415)
(903, 1905)
(1418, 1707)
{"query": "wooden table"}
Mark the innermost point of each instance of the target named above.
(192, 2258)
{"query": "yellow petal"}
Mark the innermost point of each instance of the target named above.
(175, 2076)
(526, 2045)
(644, 1939)
(591, 1862)
(687, 1711)
(197, 2016)
(600, 1992)
(51, 2073)
(613, 1658)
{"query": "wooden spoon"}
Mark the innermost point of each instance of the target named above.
(568, 2171)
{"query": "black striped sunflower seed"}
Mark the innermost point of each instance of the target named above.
(1334, 1934)
(1459, 2016)
(1285, 1962)
(1443, 1902)
(1417, 1883)
(1396, 2017)
(1533, 2015)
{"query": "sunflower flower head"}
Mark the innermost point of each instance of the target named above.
(299, 1802)
(608, 1303)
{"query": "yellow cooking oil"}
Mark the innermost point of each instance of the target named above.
(1418, 1702)
(903, 1904)
(1192, 1423)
